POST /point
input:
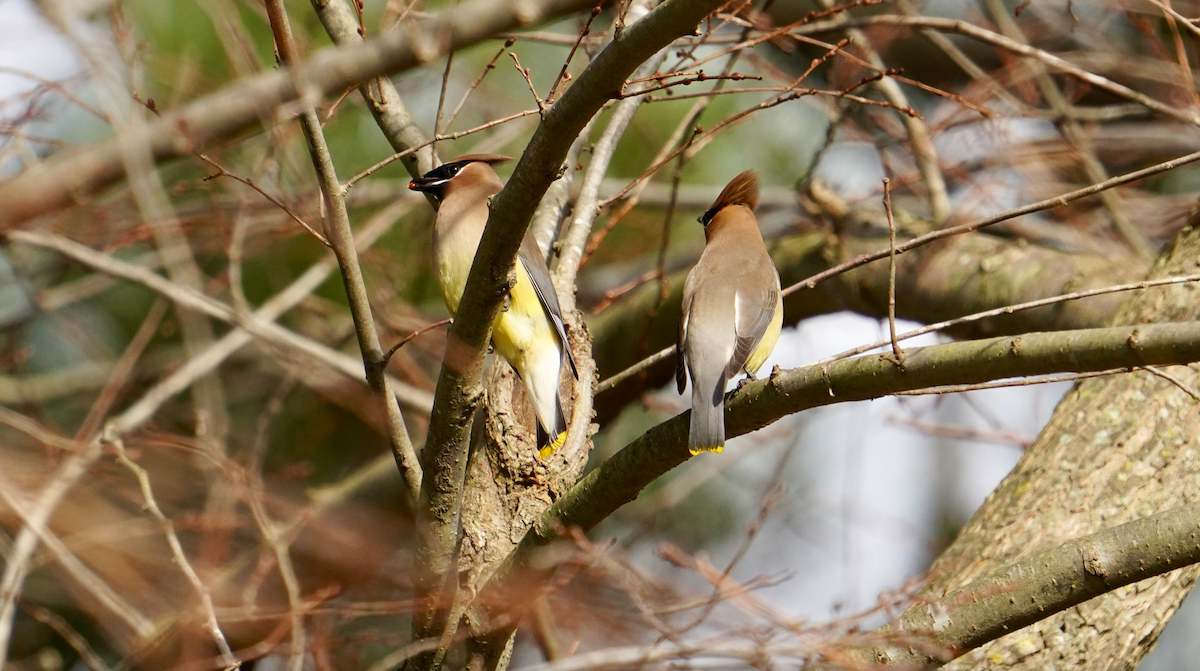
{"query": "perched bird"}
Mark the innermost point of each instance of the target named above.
(732, 310)
(529, 331)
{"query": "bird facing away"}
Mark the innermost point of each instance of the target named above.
(529, 332)
(732, 310)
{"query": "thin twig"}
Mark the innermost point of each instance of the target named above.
(68, 634)
(563, 77)
(341, 239)
(478, 80)
(197, 301)
(529, 82)
(224, 172)
(970, 227)
(1183, 386)
(228, 660)
(450, 136)
(406, 339)
(104, 594)
(17, 562)
(1009, 309)
(437, 120)
(897, 352)
(1046, 379)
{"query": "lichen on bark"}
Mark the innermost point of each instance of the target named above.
(1116, 449)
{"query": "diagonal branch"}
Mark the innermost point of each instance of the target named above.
(389, 110)
(73, 176)
(1037, 587)
(194, 300)
(758, 404)
(341, 240)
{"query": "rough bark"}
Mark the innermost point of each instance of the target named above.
(1116, 449)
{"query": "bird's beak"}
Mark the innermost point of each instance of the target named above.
(432, 185)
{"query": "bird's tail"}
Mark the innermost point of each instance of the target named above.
(707, 433)
(541, 381)
(549, 444)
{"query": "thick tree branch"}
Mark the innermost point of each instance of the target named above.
(77, 175)
(1003, 601)
(760, 403)
(460, 384)
(964, 275)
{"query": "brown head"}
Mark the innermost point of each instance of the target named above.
(740, 196)
(465, 174)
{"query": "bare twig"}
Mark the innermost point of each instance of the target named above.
(341, 239)
(68, 634)
(67, 178)
(524, 72)
(475, 84)
(268, 331)
(918, 133)
(425, 143)
(408, 338)
(995, 219)
(563, 76)
(897, 352)
(104, 594)
(586, 208)
(17, 562)
(1183, 386)
(168, 528)
(1076, 135)
(1009, 309)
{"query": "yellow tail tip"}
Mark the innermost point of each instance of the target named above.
(548, 450)
(702, 448)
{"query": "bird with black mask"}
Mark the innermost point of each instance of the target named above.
(529, 333)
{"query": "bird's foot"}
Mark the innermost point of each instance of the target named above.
(548, 450)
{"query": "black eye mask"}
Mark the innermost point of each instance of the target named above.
(445, 171)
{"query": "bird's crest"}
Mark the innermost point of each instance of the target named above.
(741, 190)
(490, 159)
(433, 180)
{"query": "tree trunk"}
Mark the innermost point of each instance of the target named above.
(1117, 449)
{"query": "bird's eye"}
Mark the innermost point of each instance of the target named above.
(454, 169)
(706, 217)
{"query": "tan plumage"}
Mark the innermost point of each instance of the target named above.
(732, 310)
(529, 334)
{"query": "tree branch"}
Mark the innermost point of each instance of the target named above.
(380, 94)
(341, 240)
(194, 300)
(758, 404)
(460, 384)
(74, 176)
(936, 631)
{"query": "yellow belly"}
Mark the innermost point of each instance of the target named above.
(524, 326)
(520, 328)
(767, 344)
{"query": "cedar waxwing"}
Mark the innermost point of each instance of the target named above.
(529, 332)
(732, 310)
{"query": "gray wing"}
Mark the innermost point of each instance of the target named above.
(535, 267)
(681, 339)
(754, 311)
